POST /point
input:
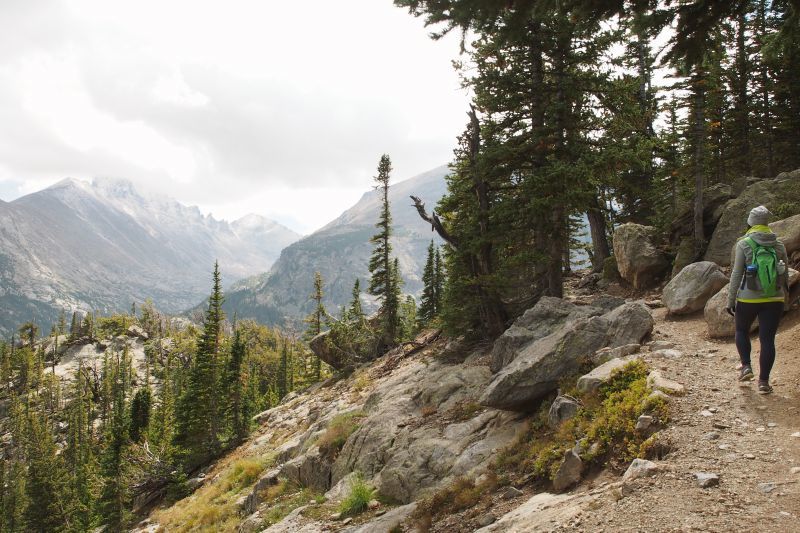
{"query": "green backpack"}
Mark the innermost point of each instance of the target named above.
(766, 261)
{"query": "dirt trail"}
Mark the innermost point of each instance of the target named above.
(723, 427)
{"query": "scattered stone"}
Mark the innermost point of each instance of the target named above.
(657, 382)
(667, 353)
(606, 354)
(693, 287)
(711, 435)
(486, 520)
(706, 413)
(706, 479)
(336, 516)
(720, 425)
(795, 470)
(748, 456)
(347, 520)
(796, 434)
(569, 472)
(761, 429)
(766, 488)
(640, 468)
(772, 425)
(658, 395)
(661, 345)
(644, 422)
(511, 492)
(373, 504)
(563, 408)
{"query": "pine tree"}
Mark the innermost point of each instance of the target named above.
(79, 455)
(382, 281)
(315, 321)
(355, 312)
(283, 373)
(198, 411)
(438, 282)
(239, 408)
(140, 413)
(427, 307)
(46, 483)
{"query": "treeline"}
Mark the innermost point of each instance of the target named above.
(128, 428)
(578, 112)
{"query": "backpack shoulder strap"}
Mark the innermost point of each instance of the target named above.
(753, 246)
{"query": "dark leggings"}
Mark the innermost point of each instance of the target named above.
(769, 316)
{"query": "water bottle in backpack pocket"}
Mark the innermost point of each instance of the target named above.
(751, 277)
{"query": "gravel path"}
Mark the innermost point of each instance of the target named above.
(721, 427)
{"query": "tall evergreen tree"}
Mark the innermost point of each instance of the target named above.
(315, 321)
(427, 307)
(239, 408)
(383, 281)
(198, 411)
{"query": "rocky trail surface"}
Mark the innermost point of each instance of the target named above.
(748, 443)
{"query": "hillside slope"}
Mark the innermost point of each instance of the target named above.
(103, 245)
(340, 252)
(411, 424)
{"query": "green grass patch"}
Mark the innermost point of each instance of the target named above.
(338, 431)
(284, 498)
(358, 498)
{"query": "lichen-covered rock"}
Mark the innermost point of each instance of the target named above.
(733, 223)
(639, 262)
(693, 287)
(537, 322)
(640, 468)
(602, 374)
(657, 382)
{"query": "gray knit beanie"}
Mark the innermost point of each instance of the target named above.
(758, 216)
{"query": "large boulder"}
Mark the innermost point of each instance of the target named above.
(639, 262)
(322, 349)
(535, 372)
(733, 223)
(714, 200)
(720, 323)
(788, 231)
(563, 408)
(693, 287)
(312, 470)
(537, 322)
(602, 374)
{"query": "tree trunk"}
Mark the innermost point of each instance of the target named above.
(698, 153)
(742, 103)
(597, 227)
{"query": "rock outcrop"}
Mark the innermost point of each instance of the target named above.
(639, 262)
(788, 231)
(733, 223)
(548, 315)
(537, 368)
(693, 287)
(714, 200)
(602, 374)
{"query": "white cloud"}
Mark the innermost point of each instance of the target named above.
(220, 103)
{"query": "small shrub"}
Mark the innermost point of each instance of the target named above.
(428, 410)
(465, 411)
(338, 431)
(461, 494)
(357, 500)
(362, 381)
(785, 210)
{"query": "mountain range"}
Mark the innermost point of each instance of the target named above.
(103, 245)
(340, 252)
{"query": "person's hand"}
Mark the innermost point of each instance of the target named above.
(731, 310)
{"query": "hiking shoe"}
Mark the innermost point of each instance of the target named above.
(764, 387)
(746, 373)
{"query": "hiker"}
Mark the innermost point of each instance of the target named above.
(757, 291)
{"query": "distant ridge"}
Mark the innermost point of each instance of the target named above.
(103, 245)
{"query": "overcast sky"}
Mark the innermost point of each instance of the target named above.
(238, 106)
